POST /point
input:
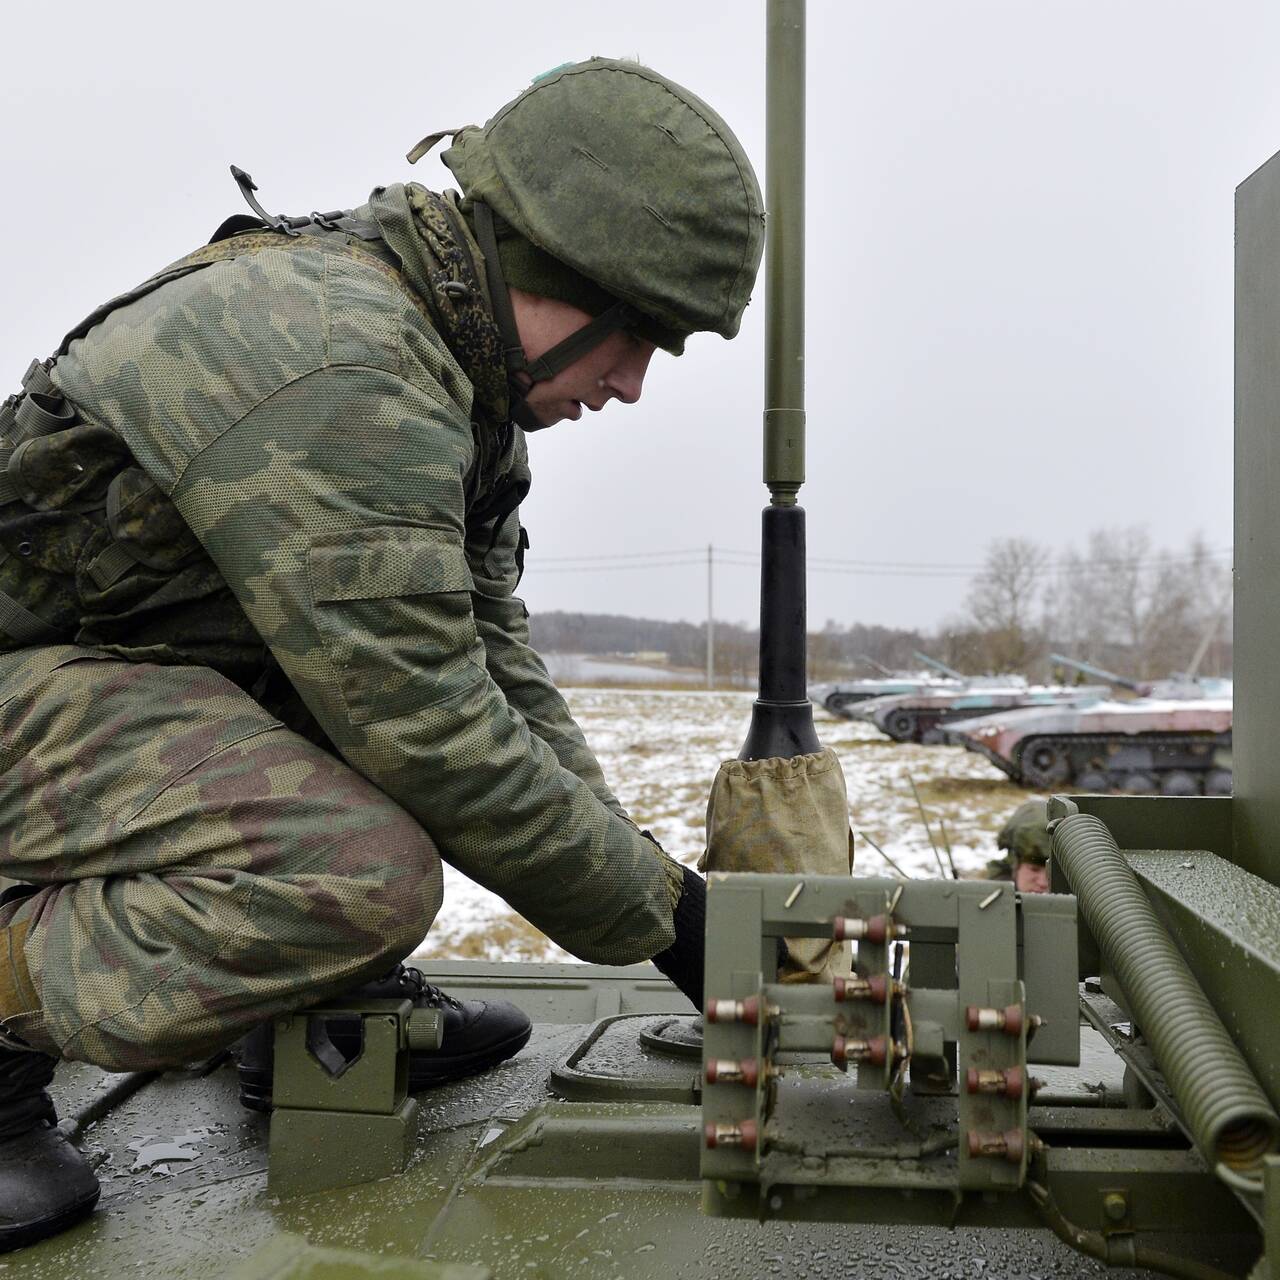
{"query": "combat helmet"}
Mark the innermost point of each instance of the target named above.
(610, 173)
(1025, 836)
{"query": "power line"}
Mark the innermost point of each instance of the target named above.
(734, 558)
(619, 568)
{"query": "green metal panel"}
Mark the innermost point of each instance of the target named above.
(320, 1150)
(1164, 822)
(1226, 922)
(289, 1257)
(1257, 522)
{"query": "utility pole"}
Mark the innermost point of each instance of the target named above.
(711, 624)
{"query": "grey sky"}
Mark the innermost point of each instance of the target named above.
(1020, 248)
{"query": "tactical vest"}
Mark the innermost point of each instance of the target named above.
(93, 553)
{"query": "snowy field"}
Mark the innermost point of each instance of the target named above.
(660, 751)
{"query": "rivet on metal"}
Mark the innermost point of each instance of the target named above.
(1115, 1204)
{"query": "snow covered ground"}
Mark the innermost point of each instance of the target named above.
(660, 751)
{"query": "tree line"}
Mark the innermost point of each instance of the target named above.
(1118, 601)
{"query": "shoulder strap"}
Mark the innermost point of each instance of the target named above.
(237, 246)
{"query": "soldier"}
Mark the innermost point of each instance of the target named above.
(262, 661)
(1025, 840)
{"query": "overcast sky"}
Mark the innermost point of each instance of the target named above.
(1019, 232)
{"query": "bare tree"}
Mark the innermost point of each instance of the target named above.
(1002, 603)
(1129, 606)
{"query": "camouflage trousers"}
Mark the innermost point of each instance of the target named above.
(199, 867)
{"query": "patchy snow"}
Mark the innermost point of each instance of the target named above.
(660, 751)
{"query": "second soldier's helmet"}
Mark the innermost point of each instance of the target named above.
(630, 180)
(1025, 836)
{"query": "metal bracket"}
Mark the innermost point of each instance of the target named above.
(340, 1089)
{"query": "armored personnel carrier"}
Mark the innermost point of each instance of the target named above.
(840, 697)
(1174, 739)
(1048, 1085)
(923, 717)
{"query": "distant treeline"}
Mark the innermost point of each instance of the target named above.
(831, 651)
(1120, 602)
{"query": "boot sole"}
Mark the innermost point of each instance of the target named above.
(30, 1232)
(424, 1072)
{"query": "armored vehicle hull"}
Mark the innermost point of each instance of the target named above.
(1173, 747)
(923, 717)
(579, 1158)
(841, 697)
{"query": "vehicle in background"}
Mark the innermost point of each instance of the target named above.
(924, 716)
(1175, 741)
(841, 696)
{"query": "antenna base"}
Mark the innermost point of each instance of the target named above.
(782, 729)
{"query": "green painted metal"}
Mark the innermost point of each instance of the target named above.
(1230, 1117)
(1271, 1221)
(1165, 822)
(768, 1140)
(289, 1257)
(1226, 923)
(338, 1121)
(1256, 762)
(784, 414)
(563, 993)
(501, 1174)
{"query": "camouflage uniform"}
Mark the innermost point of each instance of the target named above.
(277, 524)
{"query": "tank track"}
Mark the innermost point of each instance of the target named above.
(1177, 764)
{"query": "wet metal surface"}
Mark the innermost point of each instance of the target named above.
(502, 1174)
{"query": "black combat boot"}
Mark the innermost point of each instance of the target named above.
(478, 1034)
(45, 1184)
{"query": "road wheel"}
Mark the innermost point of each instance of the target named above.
(1139, 784)
(1179, 782)
(1218, 783)
(900, 726)
(1046, 764)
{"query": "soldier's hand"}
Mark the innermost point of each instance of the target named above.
(683, 960)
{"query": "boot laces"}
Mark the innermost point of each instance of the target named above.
(420, 991)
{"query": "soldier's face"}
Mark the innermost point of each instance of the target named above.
(1031, 877)
(614, 370)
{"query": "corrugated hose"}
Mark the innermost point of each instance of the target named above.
(1229, 1116)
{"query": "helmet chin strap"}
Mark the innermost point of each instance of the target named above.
(551, 362)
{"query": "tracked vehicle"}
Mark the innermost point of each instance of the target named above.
(1154, 745)
(1050, 1085)
(923, 717)
(840, 697)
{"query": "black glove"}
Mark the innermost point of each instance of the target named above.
(684, 959)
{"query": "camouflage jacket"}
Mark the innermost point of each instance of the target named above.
(290, 429)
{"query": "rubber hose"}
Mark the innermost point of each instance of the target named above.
(1228, 1114)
